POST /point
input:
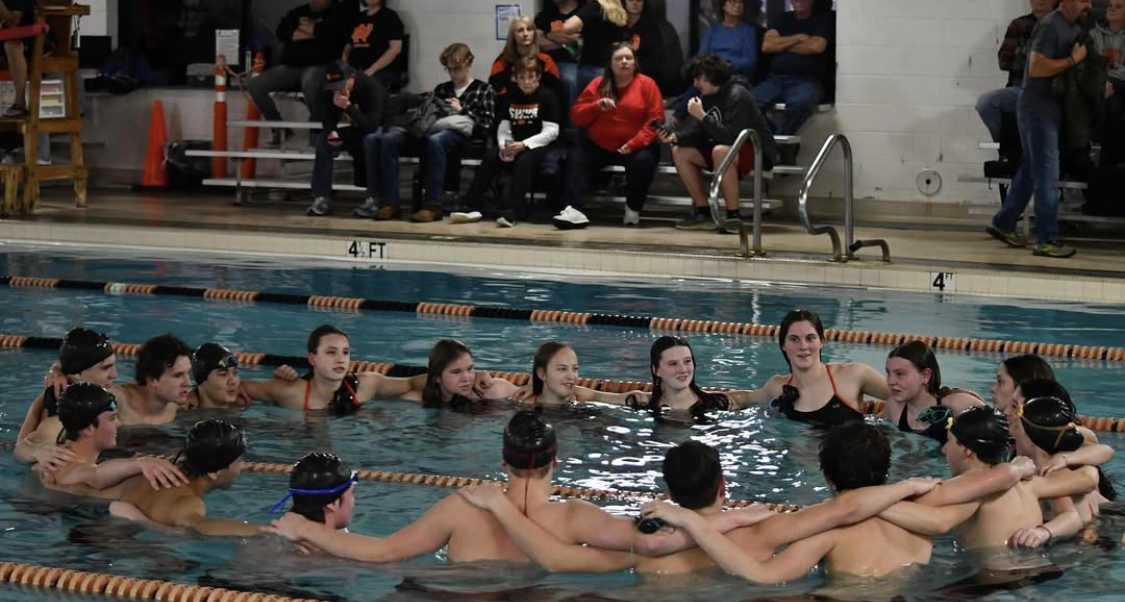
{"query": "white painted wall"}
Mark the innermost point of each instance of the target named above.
(102, 20)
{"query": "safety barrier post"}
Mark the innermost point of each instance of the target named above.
(219, 130)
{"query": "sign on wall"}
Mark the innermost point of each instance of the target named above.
(505, 14)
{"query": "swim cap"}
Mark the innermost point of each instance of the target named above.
(529, 441)
(1050, 424)
(83, 348)
(211, 446)
(208, 357)
(317, 480)
(81, 404)
(984, 431)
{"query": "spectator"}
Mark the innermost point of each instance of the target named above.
(470, 104)
(725, 108)
(800, 69)
(1109, 39)
(614, 111)
(360, 101)
(375, 45)
(1012, 57)
(602, 24)
(523, 42)
(312, 36)
(561, 46)
(734, 40)
(17, 13)
(529, 116)
(1052, 51)
(642, 30)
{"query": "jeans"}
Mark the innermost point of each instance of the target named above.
(991, 107)
(433, 150)
(587, 74)
(524, 169)
(353, 142)
(1039, 172)
(568, 72)
(800, 96)
(373, 162)
(280, 78)
(588, 158)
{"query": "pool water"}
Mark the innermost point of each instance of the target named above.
(765, 458)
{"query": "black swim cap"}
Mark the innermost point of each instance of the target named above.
(83, 348)
(1050, 424)
(529, 441)
(81, 404)
(984, 431)
(211, 446)
(316, 481)
(208, 357)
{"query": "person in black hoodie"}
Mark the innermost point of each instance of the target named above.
(313, 36)
(724, 109)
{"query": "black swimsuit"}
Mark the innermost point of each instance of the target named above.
(834, 413)
(934, 430)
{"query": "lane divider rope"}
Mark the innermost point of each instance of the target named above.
(868, 407)
(1114, 354)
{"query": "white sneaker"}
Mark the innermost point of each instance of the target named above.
(504, 222)
(570, 219)
(632, 218)
(462, 217)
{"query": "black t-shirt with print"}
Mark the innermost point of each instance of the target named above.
(597, 35)
(552, 19)
(371, 37)
(527, 112)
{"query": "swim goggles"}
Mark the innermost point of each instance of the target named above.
(342, 487)
(936, 415)
(1063, 430)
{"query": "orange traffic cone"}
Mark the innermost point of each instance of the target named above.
(156, 171)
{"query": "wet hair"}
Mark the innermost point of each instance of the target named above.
(79, 407)
(209, 357)
(157, 355)
(317, 470)
(319, 333)
(984, 431)
(1051, 422)
(210, 446)
(922, 358)
(456, 54)
(854, 455)
(707, 401)
(716, 69)
(543, 357)
(529, 442)
(608, 86)
(511, 52)
(83, 349)
(527, 64)
(1027, 367)
(791, 318)
(443, 353)
(693, 474)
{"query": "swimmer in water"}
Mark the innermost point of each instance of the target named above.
(554, 379)
(918, 403)
(322, 489)
(215, 372)
(451, 379)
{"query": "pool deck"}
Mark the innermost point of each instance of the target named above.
(920, 248)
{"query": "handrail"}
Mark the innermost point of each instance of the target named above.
(716, 181)
(849, 218)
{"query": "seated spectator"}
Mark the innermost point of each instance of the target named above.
(312, 36)
(734, 39)
(359, 101)
(561, 46)
(468, 111)
(375, 45)
(602, 24)
(724, 108)
(642, 31)
(614, 112)
(523, 42)
(1109, 39)
(800, 69)
(17, 13)
(530, 117)
(1012, 57)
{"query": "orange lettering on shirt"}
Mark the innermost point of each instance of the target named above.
(635, 42)
(556, 26)
(361, 33)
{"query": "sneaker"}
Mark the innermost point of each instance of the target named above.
(1054, 248)
(319, 207)
(731, 226)
(385, 213)
(507, 219)
(426, 215)
(1009, 238)
(465, 217)
(697, 221)
(570, 219)
(15, 112)
(632, 218)
(368, 209)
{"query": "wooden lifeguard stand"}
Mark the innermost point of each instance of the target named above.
(60, 17)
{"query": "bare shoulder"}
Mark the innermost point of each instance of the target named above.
(960, 400)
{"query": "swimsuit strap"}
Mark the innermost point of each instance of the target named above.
(831, 380)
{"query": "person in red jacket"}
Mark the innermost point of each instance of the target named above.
(614, 112)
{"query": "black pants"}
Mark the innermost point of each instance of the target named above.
(524, 169)
(588, 158)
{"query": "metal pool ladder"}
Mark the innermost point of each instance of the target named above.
(849, 217)
(713, 192)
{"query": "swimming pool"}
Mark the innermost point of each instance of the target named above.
(765, 458)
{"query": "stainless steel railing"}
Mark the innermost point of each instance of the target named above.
(717, 179)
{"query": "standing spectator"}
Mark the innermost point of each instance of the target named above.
(360, 102)
(1053, 50)
(17, 13)
(522, 43)
(800, 69)
(642, 31)
(375, 45)
(1109, 38)
(562, 46)
(1012, 57)
(725, 108)
(312, 36)
(470, 104)
(529, 125)
(734, 40)
(614, 111)
(602, 24)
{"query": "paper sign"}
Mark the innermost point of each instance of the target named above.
(505, 13)
(226, 44)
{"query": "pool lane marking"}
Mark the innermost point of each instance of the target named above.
(352, 304)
